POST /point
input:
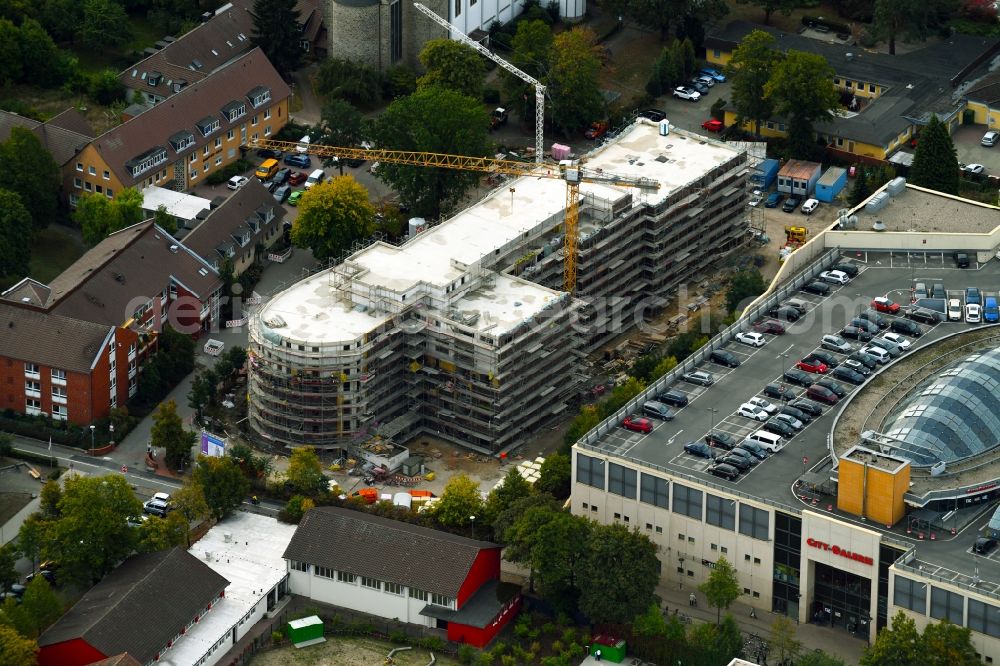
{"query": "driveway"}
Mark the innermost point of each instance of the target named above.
(690, 115)
(966, 139)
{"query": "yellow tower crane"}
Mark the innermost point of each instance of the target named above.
(571, 172)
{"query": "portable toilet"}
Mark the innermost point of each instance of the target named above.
(305, 630)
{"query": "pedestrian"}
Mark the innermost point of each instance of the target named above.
(693, 600)
(597, 654)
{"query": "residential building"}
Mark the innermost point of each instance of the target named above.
(248, 221)
(332, 559)
(983, 99)
(176, 144)
(108, 619)
(886, 98)
(69, 369)
(478, 302)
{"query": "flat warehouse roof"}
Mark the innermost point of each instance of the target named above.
(921, 210)
(178, 204)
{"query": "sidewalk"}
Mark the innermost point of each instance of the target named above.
(813, 637)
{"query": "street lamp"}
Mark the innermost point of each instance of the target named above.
(714, 412)
(784, 365)
(92, 445)
(473, 519)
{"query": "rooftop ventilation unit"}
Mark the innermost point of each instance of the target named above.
(896, 186)
(878, 226)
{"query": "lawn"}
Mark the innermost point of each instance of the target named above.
(54, 250)
(348, 651)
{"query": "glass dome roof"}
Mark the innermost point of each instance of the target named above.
(953, 415)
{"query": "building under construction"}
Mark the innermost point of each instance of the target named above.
(456, 334)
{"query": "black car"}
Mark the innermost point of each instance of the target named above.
(722, 440)
(984, 545)
(282, 193)
(267, 152)
(832, 386)
(768, 326)
(779, 428)
(795, 412)
(848, 375)
(779, 392)
(846, 267)
(48, 575)
(723, 357)
(865, 325)
(906, 327)
(798, 377)
(807, 406)
(791, 203)
(924, 316)
(673, 398)
(271, 185)
(817, 288)
(857, 366)
(654, 114)
(961, 259)
(699, 86)
(855, 333)
(282, 176)
(830, 360)
(700, 449)
(938, 290)
(737, 461)
(745, 454)
(784, 313)
(756, 450)
(864, 359)
(875, 318)
(725, 471)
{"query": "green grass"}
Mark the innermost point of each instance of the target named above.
(54, 250)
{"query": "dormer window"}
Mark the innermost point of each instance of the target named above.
(196, 65)
(146, 161)
(181, 140)
(234, 110)
(179, 85)
(208, 125)
(154, 78)
(259, 96)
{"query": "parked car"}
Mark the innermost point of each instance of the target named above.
(721, 440)
(267, 152)
(847, 267)
(282, 193)
(973, 313)
(750, 458)
(962, 259)
(293, 198)
(883, 304)
(875, 318)
(807, 406)
(895, 351)
(637, 423)
(281, 177)
(736, 460)
(657, 410)
(849, 375)
(714, 73)
(790, 420)
(817, 288)
(855, 333)
(880, 354)
(865, 325)
(897, 340)
(791, 203)
(973, 169)
(972, 295)
(830, 360)
(725, 471)
(907, 327)
(774, 199)
(683, 92)
(810, 206)
(706, 81)
(822, 394)
(938, 290)
(991, 313)
(236, 182)
(836, 343)
(656, 115)
(713, 125)
(769, 326)
(857, 366)
(830, 384)
(755, 198)
(754, 449)
(954, 310)
(924, 316)
(673, 398)
(699, 85)
(864, 359)
(700, 449)
(785, 313)
(723, 357)
(796, 376)
(763, 404)
(797, 413)
(812, 364)
(779, 392)
(920, 290)
(990, 139)
(298, 160)
(779, 428)
(749, 411)
(296, 178)
(698, 377)
(984, 545)
(751, 339)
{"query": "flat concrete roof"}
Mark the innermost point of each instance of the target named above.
(180, 205)
(921, 210)
(251, 560)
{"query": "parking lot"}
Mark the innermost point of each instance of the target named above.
(716, 407)
(971, 151)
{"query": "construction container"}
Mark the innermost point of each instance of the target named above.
(412, 466)
(307, 629)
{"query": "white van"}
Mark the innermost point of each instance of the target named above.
(316, 176)
(766, 440)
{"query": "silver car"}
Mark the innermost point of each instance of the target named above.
(698, 377)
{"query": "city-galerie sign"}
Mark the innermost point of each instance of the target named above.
(837, 550)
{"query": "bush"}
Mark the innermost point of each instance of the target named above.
(432, 643)
(400, 81)
(277, 637)
(105, 88)
(466, 654)
(398, 637)
(491, 96)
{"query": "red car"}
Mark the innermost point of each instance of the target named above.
(637, 423)
(297, 178)
(713, 125)
(810, 364)
(822, 394)
(769, 326)
(883, 304)
(597, 130)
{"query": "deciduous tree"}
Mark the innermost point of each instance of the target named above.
(9, 556)
(513, 488)
(946, 644)
(572, 80)
(42, 62)
(801, 88)
(35, 179)
(305, 472)
(332, 217)
(358, 83)
(819, 658)
(935, 162)
(715, 644)
(16, 233)
(278, 32)
(458, 502)
(10, 53)
(749, 71)
(156, 534)
(32, 535)
(440, 121)
(340, 125)
(452, 65)
(105, 24)
(559, 559)
(619, 574)
(168, 433)
(743, 286)
(555, 476)
(783, 644)
(16, 649)
(896, 645)
(189, 503)
(223, 483)
(722, 587)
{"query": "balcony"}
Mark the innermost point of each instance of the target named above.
(32, 374)
(59, 381)
(33, 411)
(32, 393)
(58, 399)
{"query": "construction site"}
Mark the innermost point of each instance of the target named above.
(467, 331)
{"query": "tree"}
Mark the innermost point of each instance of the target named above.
(99, 216)
(801, 89)
(332, 217)
(31, 536)
(750, 69)
(861, 190)
(573, 84)
(105, 24)
(9, 555)
(743, 286)
(164, 220)
(452, 65)
(916, 20)
(714, 644)
(945, 644)
(340, 125)
(531, 48)
(819, 658)
(202, 391)
(42, 63)
(158, 534)
(896, 645)
(92, 535)
(666, 364)
(436, 120)
(783, 643)
(355, 82)
(223, 484)
(10, 53)
(722, 587)
(558, 557)
(39, 608)
(770, 6)
(513, 488)
(305, 472)
(458, 502)
(16, 234)
(619, 574)
(278, 32)
(36, 179)
(555, 476)
(169, 433)
(16, 649)
(189, 503)
(935, 162)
